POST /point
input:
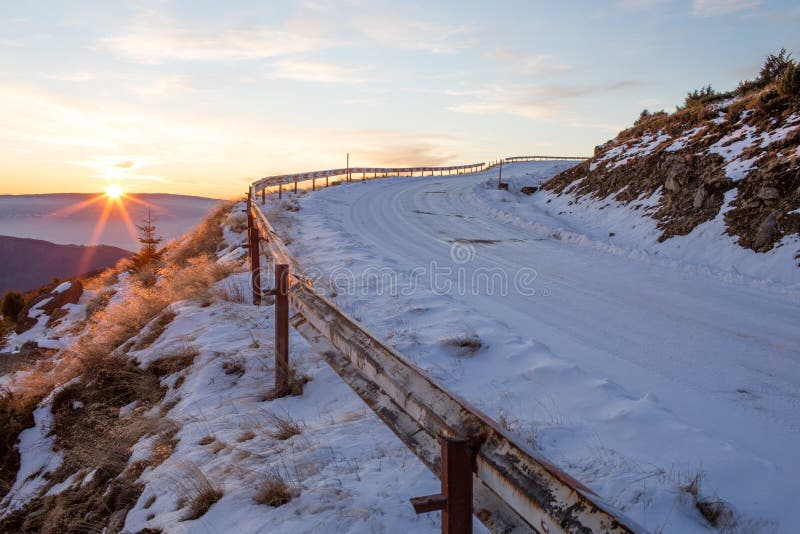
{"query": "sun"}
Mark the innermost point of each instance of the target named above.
(113, 191)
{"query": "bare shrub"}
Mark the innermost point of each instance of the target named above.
(274, 491)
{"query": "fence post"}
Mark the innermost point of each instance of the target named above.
(263, 196)
(280, 191)
(295, 186)
(255, 261)
(327, 181)
(455, 500)
(314, 184)
(281, 330)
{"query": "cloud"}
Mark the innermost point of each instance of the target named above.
(711, 8)
(541, 102)
(154, 43)
(312, 71)
(395, 148)
(395, 31)
(536, 64)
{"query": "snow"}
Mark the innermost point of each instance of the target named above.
(732, 146)
(681, 142)
(63, 286)
(623, 153)
(630, 363)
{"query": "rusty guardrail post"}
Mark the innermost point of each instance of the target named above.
(263, 196)
(281, 293)
(455, 500)
(280, 191)
(255, 261)
(295, 186)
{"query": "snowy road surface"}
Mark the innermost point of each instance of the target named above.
(632, 375)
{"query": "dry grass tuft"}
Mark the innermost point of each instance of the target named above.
(246, 436)
(200, 493)
(297, 384)
(274, 491)
(234, 367)
(283, 427)
(465, 345)
(714, 510)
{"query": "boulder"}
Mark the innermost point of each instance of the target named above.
(766, 233)
(528, 190)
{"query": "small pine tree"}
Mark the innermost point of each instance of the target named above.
(148, 254)
(13, 302)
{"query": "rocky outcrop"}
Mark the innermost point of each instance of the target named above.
(744, 149)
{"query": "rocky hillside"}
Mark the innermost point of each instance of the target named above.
(734, 156)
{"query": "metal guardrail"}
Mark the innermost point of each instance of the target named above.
(514, 488)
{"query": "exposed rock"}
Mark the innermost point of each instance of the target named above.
(766, 233)
(700, 197)
(528, 190)
(672, 184)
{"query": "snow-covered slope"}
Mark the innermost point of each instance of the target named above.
(635, 370)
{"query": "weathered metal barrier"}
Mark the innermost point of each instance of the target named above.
(484, 470)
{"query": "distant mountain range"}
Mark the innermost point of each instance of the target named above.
(29, 263)
(73, 218)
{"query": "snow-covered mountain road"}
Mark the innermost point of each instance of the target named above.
(632, 375)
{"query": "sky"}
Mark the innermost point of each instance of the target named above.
(202, 97)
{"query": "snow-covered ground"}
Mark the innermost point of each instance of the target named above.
(633, 365)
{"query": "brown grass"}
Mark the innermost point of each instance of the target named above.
(714, 510)
(155, 328)
(200, 493)
(274, 491)
(297, 384)
(99, 302)
(203, 240)
(465, 345)
(283, 428)
(174, 362)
